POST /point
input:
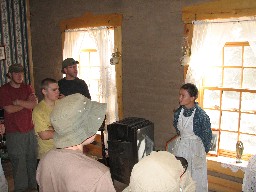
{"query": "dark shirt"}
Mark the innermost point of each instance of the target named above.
(68, 87)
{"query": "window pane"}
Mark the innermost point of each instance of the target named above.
(230, 100)
(211, 99)
(94, 59)
(249, 78)
(214, 117)
(232, 78)
(249, 58)
(233, 56)
(214, 142)
(228, 141)
(213, 77)
(248, 123)
(84, 59)
(249, 143)
(88, 73)
(229, 121)
(248, 102)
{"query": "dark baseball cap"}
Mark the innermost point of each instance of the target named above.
(15, 68)
(68, 62)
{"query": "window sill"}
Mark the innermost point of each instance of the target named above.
(230, 163)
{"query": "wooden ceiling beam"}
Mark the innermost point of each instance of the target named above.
(90, 20)
(219, 9)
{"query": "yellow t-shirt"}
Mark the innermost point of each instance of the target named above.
(41, 119)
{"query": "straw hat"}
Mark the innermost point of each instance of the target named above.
(75, 118)
(158, 172)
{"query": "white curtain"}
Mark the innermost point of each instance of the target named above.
(208, 37)
(74, 41)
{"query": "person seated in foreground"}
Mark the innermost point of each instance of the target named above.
(160, 172)
(75, 119)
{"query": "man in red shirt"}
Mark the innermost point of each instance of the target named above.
(18, 99)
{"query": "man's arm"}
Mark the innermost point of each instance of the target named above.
(30, 103)
(18, 105)
(85, 90)
(46, 135)
(2, 128)
(12, 108)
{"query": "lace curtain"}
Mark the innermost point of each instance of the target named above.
(74, 41)
(211, 36)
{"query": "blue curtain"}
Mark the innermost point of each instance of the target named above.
(13, 36)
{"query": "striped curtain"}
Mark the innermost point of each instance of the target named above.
(13, 36)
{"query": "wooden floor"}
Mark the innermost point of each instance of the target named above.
(8, 174)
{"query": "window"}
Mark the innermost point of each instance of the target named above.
(93, 47)
(73, 45)
(89, 70)
(229, 98)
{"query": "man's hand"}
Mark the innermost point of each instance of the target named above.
(2, 129)
(33, 97)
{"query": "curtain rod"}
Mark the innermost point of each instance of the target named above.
(232, 20)
(89, 28)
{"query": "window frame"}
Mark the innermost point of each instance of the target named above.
(223, 152)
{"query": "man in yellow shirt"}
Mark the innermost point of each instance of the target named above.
(41, 116)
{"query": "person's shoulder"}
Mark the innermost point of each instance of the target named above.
(199, 109)
(25, 86)
(177, 111)
(201, 112)
(39, 106)
(50, 158)
(5, 85)
(79, 80)
(61, 80)
(49, 155)
(89, 163)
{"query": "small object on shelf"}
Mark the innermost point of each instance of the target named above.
(239, 151)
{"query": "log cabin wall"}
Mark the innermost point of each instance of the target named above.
(152, 34)
(151, 49)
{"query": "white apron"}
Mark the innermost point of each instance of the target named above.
(190, 146)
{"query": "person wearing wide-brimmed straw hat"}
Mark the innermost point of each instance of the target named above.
(75, 119)
(18, 99)
(160, 172)
(71, 83)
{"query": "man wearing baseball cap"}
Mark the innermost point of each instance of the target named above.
(18, 99)
(75, 119)
(71, 83)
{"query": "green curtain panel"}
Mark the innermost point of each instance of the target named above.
(13, 35)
